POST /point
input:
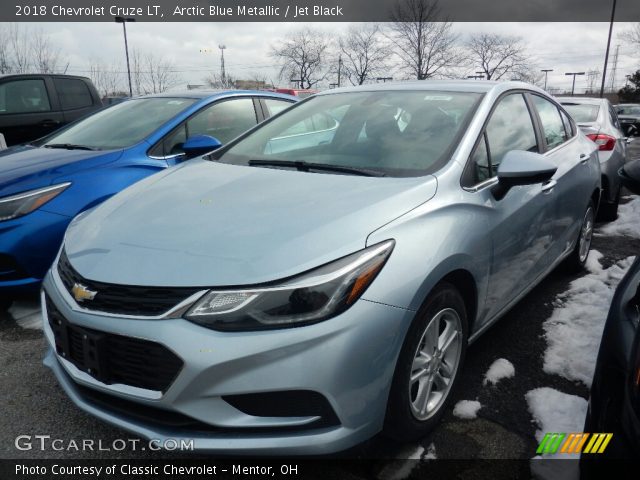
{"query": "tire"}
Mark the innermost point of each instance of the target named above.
(578, 257)
(407, 417)
(608, 211)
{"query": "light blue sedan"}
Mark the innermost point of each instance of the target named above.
(318, 280)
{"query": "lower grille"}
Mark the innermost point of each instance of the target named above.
(124, 299)
(113, 358)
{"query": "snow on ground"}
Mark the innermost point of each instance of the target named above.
(574, 329)
(555, 411)
(501, 368)
(27, 314)
(467, 409)
(628, 222)
(408, 459)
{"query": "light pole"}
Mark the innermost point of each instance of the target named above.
(606, 55)
(296, 80)
(475, 76)
(339, 69)
(124, 21)
(573, 86)
(482, 74)
(546, 71)
(384, 79)
(223, 73)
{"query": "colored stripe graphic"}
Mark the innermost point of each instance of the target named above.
(574, 443)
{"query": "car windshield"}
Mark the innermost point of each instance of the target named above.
(121, 125)
(394, 133)
(631, 110)
(581, 112)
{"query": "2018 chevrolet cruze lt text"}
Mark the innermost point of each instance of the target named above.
(318, 280)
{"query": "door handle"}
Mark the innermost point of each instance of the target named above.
(549, 186)
(584, 157)
(49, 123)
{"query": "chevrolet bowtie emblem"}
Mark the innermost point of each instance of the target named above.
(82, 293)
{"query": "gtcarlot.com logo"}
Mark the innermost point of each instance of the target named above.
(45, 442)
(574, 443)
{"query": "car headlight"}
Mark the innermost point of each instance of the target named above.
(26, 202)
(311, 297)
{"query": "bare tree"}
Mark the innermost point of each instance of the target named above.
(302, 56)
(423, 41)
(161, 73)
(215, 80)
(5, 60)
(364, 52)
(45, 56)
(106, 78)
(632, 36)
(498, 55)
(530, 75)
(19, 48)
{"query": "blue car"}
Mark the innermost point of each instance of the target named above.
(45, 184)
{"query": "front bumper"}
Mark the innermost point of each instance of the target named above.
(349, 360)
(29, 246)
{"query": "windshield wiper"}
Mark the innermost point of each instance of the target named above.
(307, 166)
(69, 146)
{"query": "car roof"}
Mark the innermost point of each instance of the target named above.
(202, 94)
(38, 75)
(474, 86)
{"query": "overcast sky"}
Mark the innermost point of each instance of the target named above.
(565, 47)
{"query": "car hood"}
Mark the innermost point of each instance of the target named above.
(211, 224)
(26, 167)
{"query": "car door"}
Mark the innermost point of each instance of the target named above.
(518, 223)
(27, 111)
(571, 184)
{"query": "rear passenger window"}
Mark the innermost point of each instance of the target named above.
(275, 106)
(73, 93)
(554, 132)
(24, 96)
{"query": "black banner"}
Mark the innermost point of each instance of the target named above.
(310, 10)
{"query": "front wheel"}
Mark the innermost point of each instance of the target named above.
(428, 366)
(578, 257)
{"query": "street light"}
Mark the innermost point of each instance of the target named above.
(475, 76)
(384, 79)
(296, 80)
(573, 86)
(124, 21)
(481, 74)
(546, 71)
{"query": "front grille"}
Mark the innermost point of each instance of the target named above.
(113, 358)
(123, 299)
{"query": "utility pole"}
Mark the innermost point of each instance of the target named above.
(614, 69)
(123, 21)
(606, 55)
(546, 71)
(339, 69)
(573, 86)
(223, 75)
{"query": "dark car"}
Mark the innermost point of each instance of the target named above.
(614, 404)
(34, 105)
(629, 115)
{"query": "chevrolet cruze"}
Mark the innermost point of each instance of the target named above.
(318, 280)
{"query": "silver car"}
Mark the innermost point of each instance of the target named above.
(599, 122)
(318, 280)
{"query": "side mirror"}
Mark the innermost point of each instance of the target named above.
(200, 145)
(630, 176)
(522, 168)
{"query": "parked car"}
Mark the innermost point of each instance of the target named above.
(599, 121)
(300, 302)
(44, 185)
(614, 402)
(34, 105)
(297, 92)
(629, 115)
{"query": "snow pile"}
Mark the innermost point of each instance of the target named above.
(27, 315)
(401, 469)
(467, 409)
(501, 368)
(555, 411)
(628, 222)
(574, 329)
